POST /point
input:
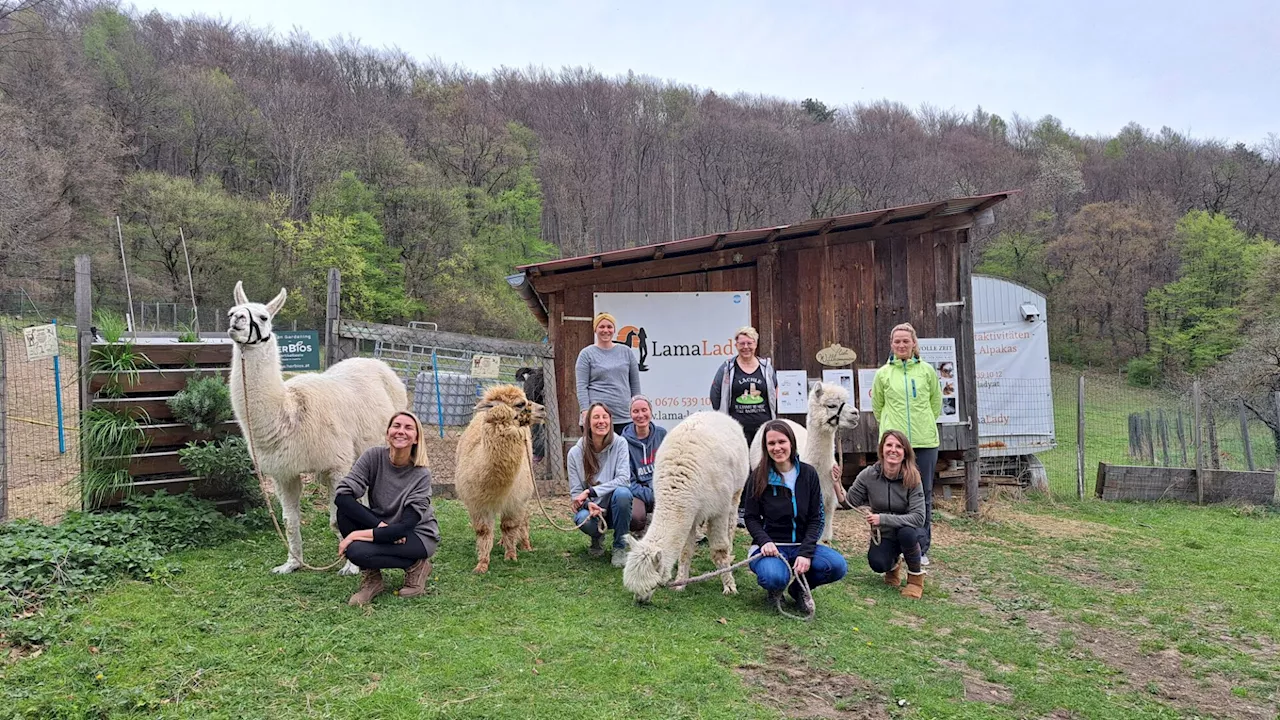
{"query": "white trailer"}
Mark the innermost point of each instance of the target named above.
(1015, 396)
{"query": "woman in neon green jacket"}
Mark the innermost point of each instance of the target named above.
(906, 397)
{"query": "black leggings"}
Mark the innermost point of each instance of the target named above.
(904, 541)
(379, 556)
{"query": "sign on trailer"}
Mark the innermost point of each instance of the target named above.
(299, 350)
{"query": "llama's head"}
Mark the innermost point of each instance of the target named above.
(645, 570)
(249, 323)
(829, 404)
(507, 405)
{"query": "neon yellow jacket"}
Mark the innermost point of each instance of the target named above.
(905, 396)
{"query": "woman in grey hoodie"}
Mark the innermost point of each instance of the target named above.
(893, 496)
(600, 482)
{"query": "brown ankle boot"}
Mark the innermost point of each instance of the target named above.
(415, 579)
(914, 588)
(370, 587)
(893, 578)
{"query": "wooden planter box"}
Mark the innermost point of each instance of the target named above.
(166, 382)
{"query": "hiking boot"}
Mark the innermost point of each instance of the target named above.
(619, 557)
(914, 588)
(596, 549)
(775, 600)
(370, 587)
(742, 517)
(804, 603)
(415, 579)
(924, 560)
(893, 578)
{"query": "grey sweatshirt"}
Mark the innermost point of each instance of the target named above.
(608, 376)
(391, 489)
(897, 506)
(615, 470)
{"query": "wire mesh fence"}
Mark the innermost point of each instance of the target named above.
(40, 457)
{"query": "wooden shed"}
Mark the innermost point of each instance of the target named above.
(846, 279)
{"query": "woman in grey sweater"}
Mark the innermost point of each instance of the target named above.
(600, 478)
(606, 373)
(894, 497)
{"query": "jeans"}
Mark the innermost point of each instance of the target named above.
(904, 541)
(927, 461)
(773, 574)
(619, 512)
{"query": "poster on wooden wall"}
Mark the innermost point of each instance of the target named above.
(941, 354)
(680, 340)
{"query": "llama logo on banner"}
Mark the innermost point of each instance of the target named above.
(680, 339)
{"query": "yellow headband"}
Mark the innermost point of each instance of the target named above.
(601, 317)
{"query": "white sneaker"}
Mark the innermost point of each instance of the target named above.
(924, 561)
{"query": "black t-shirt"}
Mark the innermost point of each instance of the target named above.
(750, 396)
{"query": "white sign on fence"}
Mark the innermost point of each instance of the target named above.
(680, 339)
(941, 354)
(41, 341)
(486, 366)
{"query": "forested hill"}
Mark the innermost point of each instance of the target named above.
(281, 156)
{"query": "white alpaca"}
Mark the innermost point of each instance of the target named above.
(829, 409)
(697, 478)
(314, 423)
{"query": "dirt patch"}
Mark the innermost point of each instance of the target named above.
(978, 690)
(788, 684)
(442, 452)
(41, 479)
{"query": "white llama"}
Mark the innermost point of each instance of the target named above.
(697, 478)
(829, 410)
(314, 423)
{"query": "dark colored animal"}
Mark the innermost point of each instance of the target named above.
(532, 380)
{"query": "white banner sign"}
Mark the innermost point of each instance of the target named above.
(1014, 395)
(680, 340)
(941, 354)
(41, 341)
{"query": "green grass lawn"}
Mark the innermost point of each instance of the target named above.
(1079, 609)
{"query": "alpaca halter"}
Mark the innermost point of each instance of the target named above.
(834, 420)
(254, 328)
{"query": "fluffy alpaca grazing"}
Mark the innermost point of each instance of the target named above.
(829, 410)
(314, 423)
(493, 477)
(697, 478)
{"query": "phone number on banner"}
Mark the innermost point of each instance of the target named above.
(682, 402)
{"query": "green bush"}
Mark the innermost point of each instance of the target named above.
(1142, 372)
(226, 464)
(87, 551)
(107, 440)
(204, 404)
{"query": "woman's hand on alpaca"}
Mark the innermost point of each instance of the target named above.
(873, 519)
(769, 550)
(802, 564)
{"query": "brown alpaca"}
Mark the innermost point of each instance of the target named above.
(493, 477)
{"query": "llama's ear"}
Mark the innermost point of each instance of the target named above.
(239, 293)
(630, 541)
(817, 391)
(277, 302)
(657, 559)
(483, 406)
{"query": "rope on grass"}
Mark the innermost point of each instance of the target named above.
(796, 579)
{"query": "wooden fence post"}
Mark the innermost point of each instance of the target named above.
(1163, 424)
(1244, 437)
(551, 426)
(1195, 401)
(1182, 437)
(1080, 439)
(331, 318)
(4, 449)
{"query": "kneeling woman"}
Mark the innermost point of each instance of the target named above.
(784, 518)
(600, 477)
(398, 529)
(892, 491)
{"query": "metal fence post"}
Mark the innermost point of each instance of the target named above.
(1080, 439)
(1195, 401)
(1244, 437)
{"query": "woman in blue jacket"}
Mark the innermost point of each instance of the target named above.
(784, 517)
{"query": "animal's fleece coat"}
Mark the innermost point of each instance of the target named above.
(697, 478)
(314, 423)
(493, 477)
(829, 409)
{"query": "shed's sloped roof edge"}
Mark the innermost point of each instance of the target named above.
(720, 241)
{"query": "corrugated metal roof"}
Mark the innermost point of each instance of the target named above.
(720, 241)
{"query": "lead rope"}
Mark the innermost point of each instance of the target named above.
(604, 524)
(796, 578)
(263, 485)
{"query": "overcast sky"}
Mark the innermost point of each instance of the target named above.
(1208, 69)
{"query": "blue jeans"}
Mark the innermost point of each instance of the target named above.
(619, 512)
(773, 574)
